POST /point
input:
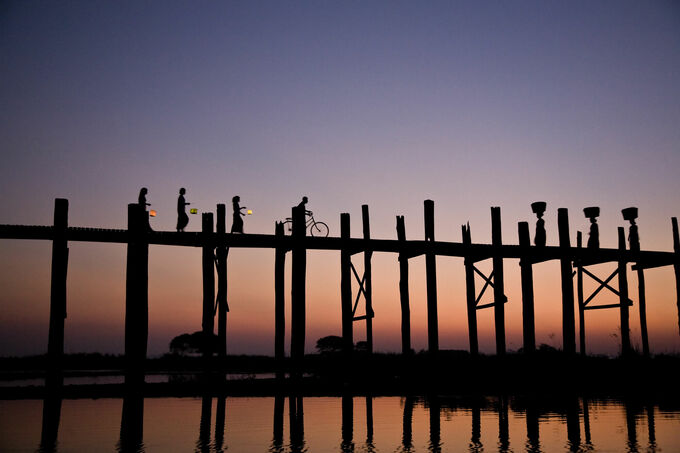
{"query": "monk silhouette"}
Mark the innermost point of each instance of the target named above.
(538, 208)
(141, 200)
(594, 236)
(182, 217)
(237, 224)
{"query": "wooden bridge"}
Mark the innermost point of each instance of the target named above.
(216, 242)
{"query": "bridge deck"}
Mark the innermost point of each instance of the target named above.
(409, 248)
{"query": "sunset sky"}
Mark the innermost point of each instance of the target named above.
(470, 104)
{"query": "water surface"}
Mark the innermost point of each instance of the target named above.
(334, 424)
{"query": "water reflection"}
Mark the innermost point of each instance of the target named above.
(408, 424)
(132, 423)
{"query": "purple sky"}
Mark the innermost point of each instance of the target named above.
(386, 103)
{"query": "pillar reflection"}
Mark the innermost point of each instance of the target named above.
(586, 423)
(407, 436)
(651, 428)
(347, 444)
(573, 425)
(370, 447)
(631, 411)
(533, 444)
(277, 437)
(503, 428)
(475, 438)
(203, 443)
(220, 423)
(435, 425)
(297, 424)
(50, 423)
(132, 423)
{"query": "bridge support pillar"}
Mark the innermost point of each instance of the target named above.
(136, 295)
(208, 265)
(568, 321)
(431, 276)
(526, 268)
(279, 298)
(676, 264)
(221, 253)
(403, 290)
(368, 282)
(298, 281)
(498, 283)
(623, 297)
(470, 294)
(55, 342)
(346, 287)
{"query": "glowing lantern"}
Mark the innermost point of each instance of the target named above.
(152, 213)
(193, 211)
(250, 211)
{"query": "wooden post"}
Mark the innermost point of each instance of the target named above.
(132, 417)
(407, 422)
(579, 293)
(642, 301)
(568, 321)
(676, 265)
(470, 294)
(498, 284)
(136, 294)
(222, 305)
(279, 297)
(297, 290)
(435, 423)
(403, 290)
(431, 276)
(346, 287)
(368, 282)
(526, 268)
(220, 421)
(55, 342)
(208, 322)
(369, 420)
(623, 296)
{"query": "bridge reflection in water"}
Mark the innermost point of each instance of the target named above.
(362, 424)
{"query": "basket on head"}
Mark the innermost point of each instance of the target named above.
(591, 212)
(629, 214)
(538, 207)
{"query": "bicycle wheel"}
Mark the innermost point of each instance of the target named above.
(319, 229)
(287, 226)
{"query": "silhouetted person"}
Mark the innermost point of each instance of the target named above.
(141, 200)
(182, 217)
(631, 214)
(237, 225)
(538, 208)
(302, 205)
(594, 236)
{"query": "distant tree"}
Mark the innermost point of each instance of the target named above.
(193, 344)
(328, 345)
(361, 346)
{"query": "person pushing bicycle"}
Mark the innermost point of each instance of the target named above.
(302, 205)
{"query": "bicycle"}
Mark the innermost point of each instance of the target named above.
(317, 229)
